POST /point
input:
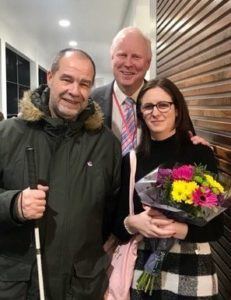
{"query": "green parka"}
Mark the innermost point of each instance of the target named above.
(80, 162)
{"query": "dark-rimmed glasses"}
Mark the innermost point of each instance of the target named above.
(162, 106)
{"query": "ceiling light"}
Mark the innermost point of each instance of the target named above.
(73, 43)
(64, 23)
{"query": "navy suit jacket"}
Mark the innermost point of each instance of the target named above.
(103, 96)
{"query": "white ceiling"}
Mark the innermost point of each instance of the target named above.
(93, 24)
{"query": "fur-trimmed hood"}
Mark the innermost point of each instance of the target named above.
(34, 107)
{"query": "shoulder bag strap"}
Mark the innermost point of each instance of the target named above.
(132, 181)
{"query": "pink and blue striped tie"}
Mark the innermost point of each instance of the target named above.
(129, 127)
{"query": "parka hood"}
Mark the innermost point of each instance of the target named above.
(34, 107)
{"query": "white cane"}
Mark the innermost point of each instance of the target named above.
(33, 185)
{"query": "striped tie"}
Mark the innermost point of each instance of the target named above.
(128, 136)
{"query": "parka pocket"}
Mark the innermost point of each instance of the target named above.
(89, 284)
(13, 269)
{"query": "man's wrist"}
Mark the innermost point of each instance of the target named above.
(18, 211)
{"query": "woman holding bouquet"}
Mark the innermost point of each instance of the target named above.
(187, 271)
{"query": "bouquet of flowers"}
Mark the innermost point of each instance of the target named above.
(187, 193)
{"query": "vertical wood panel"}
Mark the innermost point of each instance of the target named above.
(194, 50)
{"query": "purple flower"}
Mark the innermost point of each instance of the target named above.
(163, 174)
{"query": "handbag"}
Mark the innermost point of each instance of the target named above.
(124, 256)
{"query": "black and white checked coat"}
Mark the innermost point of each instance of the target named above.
(188, 271)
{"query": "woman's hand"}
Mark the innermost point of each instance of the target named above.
(181, 229)
(151, 224)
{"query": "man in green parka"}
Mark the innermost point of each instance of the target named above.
(78, 170)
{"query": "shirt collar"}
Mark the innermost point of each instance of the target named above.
(121, 96)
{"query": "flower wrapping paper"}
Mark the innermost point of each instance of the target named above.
(187, 193)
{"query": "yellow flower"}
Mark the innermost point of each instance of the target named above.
(189, 188)
(216, 186)
(182, 191)
(178, 190)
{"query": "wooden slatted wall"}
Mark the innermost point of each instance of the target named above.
(194, 50)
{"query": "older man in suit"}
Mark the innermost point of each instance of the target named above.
(130, 57)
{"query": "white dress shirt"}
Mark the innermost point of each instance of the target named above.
(116, 116)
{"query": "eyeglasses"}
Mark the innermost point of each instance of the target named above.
(162, 106)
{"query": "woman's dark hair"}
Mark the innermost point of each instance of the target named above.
(183, 122)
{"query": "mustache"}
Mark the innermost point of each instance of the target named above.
(69, 97)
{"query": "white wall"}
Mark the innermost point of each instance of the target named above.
(140, 14)
(25, 44)
(26, 47)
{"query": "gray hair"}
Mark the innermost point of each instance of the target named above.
(131, 30)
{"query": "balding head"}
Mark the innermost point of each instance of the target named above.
(68, 51)
(131, 57)
(134, 32)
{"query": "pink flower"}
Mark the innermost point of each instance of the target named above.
(203, 196)
(183, 173)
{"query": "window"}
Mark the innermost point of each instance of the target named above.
(42, 76)
(17, 80)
